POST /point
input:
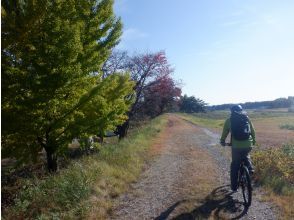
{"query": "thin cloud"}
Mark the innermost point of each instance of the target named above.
(247, 16)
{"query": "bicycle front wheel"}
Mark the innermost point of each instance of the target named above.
(246, 187)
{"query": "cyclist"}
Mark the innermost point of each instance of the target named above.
(242, 140)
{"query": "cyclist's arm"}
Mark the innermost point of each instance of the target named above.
(226, 130)
(252, 131)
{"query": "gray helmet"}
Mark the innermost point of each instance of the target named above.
(236, 108)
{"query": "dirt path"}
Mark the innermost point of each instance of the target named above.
(188, 180)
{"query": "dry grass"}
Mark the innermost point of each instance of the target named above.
(285, 203)
(268, 125)
(269, 132)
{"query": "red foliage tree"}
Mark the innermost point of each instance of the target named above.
(146, 69)
(151, 72)
(160, 96)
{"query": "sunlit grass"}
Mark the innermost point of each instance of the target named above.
(207, 120)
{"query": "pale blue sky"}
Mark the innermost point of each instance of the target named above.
(224, 51)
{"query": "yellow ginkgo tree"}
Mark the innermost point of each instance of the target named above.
(52, 88)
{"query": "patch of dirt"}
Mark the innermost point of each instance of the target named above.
(188, 179)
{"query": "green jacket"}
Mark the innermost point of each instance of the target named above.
(236, 143)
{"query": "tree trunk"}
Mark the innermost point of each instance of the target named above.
(123, 129)
(51, 161)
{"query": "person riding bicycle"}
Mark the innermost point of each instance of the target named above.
(242, 141)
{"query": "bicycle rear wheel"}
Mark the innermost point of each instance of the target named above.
(246, 187)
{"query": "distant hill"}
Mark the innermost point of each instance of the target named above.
(277, 103)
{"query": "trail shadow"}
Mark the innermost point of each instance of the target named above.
(167, 212)
(219, 204)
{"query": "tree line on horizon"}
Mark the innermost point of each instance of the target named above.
(277, 103)
(62, 78)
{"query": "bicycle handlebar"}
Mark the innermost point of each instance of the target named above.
(226, 144)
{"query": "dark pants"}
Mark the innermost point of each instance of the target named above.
(237, 156)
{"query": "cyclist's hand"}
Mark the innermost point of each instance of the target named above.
(223, 143)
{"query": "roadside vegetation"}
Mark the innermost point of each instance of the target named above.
(275, 171)
(87, 187)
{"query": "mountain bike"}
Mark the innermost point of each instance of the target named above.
(244, 181)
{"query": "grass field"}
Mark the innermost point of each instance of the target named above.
(274, 131)
(273, 128)
(87, 187)
(274, 155)
(213, 120)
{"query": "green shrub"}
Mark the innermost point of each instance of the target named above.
(287, 126)
(274, 168)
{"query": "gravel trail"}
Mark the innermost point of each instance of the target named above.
(188, 180)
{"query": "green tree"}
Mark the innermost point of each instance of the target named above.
(190, 104)
(52, 90)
